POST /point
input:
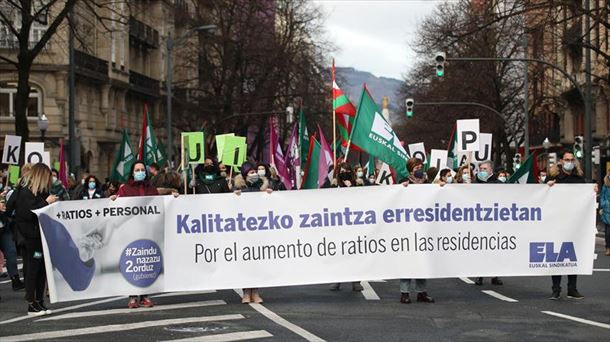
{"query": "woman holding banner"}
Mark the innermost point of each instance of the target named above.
(416, 176)
(31, 194)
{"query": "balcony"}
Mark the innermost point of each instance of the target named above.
(143, 84)
(142, 34)
(90, 66)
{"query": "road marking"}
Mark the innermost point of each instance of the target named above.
(601, 270)
(576, 319)
(281, 321)
(499, 296)
(368, 292)
(173, 294)
(102, 329)
(133, 311)
(74, 307)
(467, 281)
(236, 336)
(377, 281)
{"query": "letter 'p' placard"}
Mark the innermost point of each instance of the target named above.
(468, 135)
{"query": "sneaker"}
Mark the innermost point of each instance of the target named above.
(146, 302)
(35, 310)
(423, 297)
(404, 298)
(335, 287)
(574, 294)
(479, 281)
(17, 283)
(556, 294)
(44, 307)
(133, 303)
(496, 281)
(357, 287)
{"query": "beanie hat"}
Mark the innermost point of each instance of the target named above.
(246, 167)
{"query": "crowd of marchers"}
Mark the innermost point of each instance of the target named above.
(39, 186)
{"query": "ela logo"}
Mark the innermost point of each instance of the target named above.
(545, 252)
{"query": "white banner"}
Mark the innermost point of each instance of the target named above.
(223, 241)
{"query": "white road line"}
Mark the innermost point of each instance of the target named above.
(368, 292)
(173, 294)
(74, 307)
(601, 270)
(467, 281)
(499, 296)
(133, 311)
(576, 319)
(115, 327)
(236, 336)
(281, 321)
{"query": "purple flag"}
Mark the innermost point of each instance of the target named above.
(277, 157)
(326, 159)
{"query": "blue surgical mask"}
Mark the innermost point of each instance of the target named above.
(568, 166)
(483, 175)
(92, 185)
(139, 176)
(419, 174)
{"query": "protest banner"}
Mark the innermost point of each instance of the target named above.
(12, 147)
(14, 171)
(220, 144)
(234, 151)
(221, 241)
(418, 151)
(194, 147)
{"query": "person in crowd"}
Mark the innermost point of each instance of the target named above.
(93, 189)
(372, 178)
(486, 176)
(542, 177)
(208, 179)
(604, 209)
(416, 176)
(33, 193)
(153, 170)
(444, 177)
(249, 180)
(431, 174)
(567, 172)
(264, 171)
(360, 176)
(57, 188)
(167, 182)
(7, 244)
(79, 188)
(464, 175)
(503, 176)
(112, 188)
(344, 178)
(137, 185)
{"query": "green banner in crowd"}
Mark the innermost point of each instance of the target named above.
(194, 144)
(220, 144)
(234, 151)
(13, 171)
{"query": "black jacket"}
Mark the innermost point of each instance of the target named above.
(24, 201)
(564, 178)
(491, 180)
(84, 195)
(217, 186)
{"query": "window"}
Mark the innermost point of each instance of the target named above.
(8, 95)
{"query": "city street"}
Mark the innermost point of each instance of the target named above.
(518, 310)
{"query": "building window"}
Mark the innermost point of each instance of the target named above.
(8, 97)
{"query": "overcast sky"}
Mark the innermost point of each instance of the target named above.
(373, 35)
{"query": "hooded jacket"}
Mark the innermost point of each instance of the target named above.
(241, 184)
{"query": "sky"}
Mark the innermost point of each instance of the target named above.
(374, 35)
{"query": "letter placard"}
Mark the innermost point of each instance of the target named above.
(194, 145)
(438, 159)
(12, 147)
(34, 152)
(418, 151)
(468, 135)
(234, 153)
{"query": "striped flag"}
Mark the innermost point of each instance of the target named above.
(345, 112)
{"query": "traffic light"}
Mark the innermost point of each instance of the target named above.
(439, 61)
(409, 103)
(578, 151)
(517, 161)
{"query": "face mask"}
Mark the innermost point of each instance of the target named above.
(253, 178)
(360, 174)
(568, 166)
(372, 180)
(208, 168)
(54, 179)
(466, 178)
(502, 179)
(517, 166)
(449, 179)
(419, 174)
(261, 173)
(483, 175)
(223, 174)
(139, 176)
(92, 185)
(542, 179)
(345, 176)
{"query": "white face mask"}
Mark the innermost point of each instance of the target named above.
(542, 179)
(54, 179)
(261, 173)
(466, 178)
(502, 179)
(252, 178)
(360, 174)
(449, 179)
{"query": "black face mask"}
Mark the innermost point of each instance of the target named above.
(209, 169)
(345, 176)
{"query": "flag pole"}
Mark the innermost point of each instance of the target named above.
(334, 118)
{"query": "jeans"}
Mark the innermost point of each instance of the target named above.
(607, 235)
(571, 282)
(407, 284)
(7, 245)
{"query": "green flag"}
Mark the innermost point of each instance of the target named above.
(311, 167)
(303, 137)
(148, 149)
(525, 173)
(374, 135)
(123, 161)
(452, 155)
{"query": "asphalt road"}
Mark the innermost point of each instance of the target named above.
(518, 310)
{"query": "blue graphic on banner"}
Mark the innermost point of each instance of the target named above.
(141, 263)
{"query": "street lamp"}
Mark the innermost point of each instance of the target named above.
(546, 144)
(43, 125)
(289, 115)
(168, 81)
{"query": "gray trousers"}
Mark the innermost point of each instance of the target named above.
(407, 284)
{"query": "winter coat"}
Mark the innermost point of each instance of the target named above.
(84, 195)
(239, 183)
(276, 184)
(133, 188)
(604, 201)
(491, 180)
(23, 201)
(60, 191)
(217, 186)
(559, 176)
